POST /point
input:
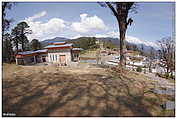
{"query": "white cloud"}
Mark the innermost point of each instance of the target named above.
(111, 34)
(54, 27)
(36, 16)
(88, 24)
(46, 30)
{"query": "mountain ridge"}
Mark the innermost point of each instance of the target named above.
(129, 40)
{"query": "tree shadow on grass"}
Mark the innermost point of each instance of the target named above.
(88, 94)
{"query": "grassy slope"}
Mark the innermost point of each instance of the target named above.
(93, 91)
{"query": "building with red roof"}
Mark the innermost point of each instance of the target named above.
(60, 53)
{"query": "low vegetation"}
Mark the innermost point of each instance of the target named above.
(139, 69)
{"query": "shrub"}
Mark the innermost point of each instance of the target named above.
(139, 69)
(166, 75)
(158, 74)
(172, 76)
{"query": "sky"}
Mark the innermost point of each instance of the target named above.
(47, 20)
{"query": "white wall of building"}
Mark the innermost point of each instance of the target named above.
(54, 55)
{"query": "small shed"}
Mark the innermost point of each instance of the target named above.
(75, 53)
(31, 57)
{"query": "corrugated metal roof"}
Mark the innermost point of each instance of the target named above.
(58, 46)
(31, 52)
(77, 49)
(26, 52)
(62, 42)
(41, 51)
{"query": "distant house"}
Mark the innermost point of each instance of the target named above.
(31, 57)
(59, 53)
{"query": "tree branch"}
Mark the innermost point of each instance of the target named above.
(112, 8)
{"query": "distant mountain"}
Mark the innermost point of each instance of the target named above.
(56, 39)
(139, 43)
(130, 40)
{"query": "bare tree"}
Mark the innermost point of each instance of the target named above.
(167, 53)
(151, 56)
(120, 11)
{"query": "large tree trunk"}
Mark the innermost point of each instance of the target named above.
(122, 31)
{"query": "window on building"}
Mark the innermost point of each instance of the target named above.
(51, 57)
(56, 57)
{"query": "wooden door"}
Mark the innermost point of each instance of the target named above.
(63, 59)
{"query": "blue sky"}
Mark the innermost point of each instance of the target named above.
(47, 20)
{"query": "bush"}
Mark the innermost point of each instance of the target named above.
(166, 75)
(158, 74)
(172, 76)
(139, 69)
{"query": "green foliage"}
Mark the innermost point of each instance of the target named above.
(172, 76)
(166, 75)
(142, 50)
(158, 74)
(15, 37)
(85, 42)
(7, 48)
(19, 36)
(139, 69)
(108, 45)
(132, 47)
(135, 48)
(35, 44)
(129, 47)
(23, 29)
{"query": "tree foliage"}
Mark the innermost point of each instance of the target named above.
(35, 44)
(108, 44)
(19, 36)
(7, 48)
(6, 43)
(23, 30)
(85, 42)
(15, 38)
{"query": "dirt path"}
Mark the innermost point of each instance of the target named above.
(161, 82)
(83, 91)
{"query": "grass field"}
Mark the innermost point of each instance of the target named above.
(83, 91)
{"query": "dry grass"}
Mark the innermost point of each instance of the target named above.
(90, 91)
(90, 53)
